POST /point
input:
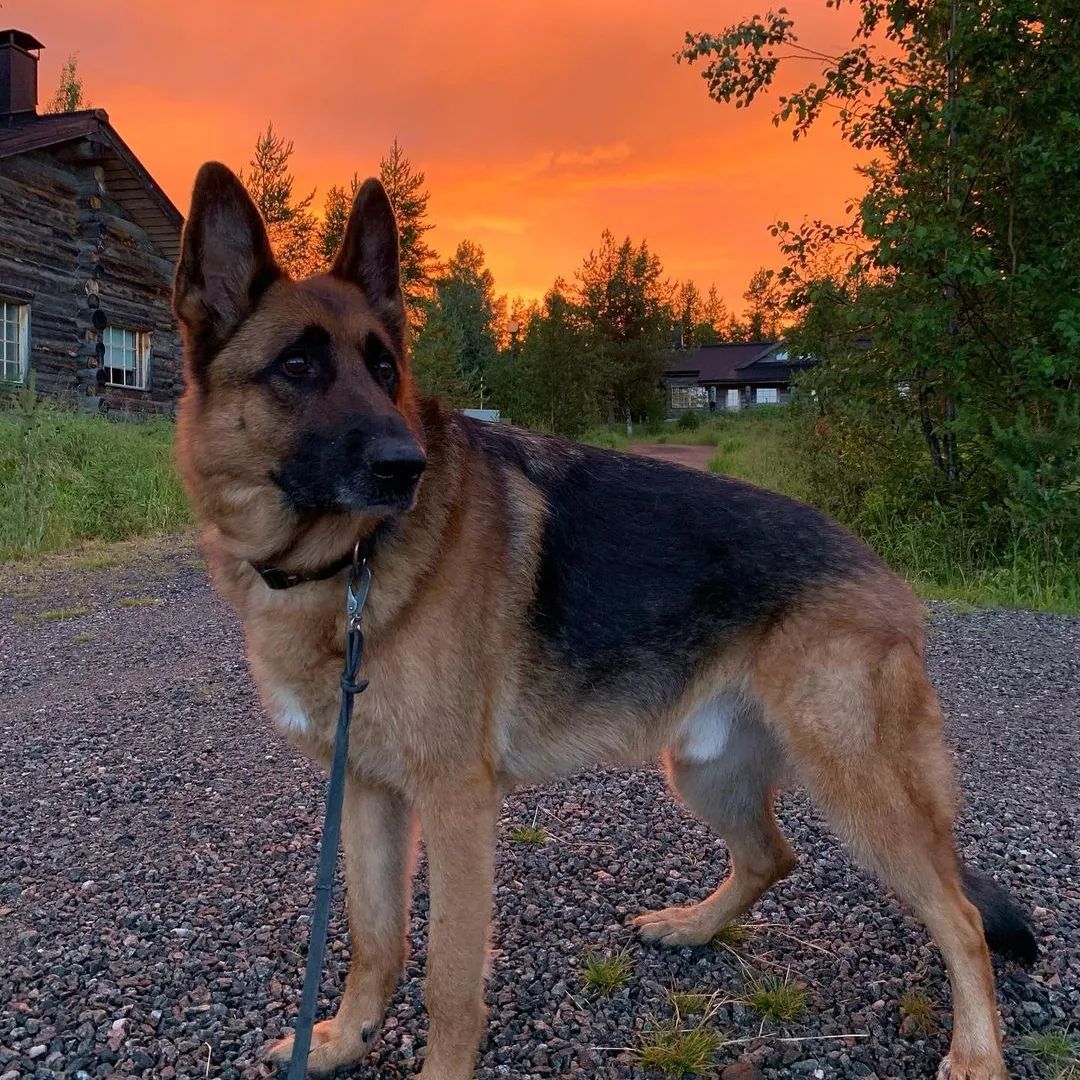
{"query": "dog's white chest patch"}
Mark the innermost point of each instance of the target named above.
(288, 713)
(703, 735)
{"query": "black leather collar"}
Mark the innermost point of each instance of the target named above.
(276, 578)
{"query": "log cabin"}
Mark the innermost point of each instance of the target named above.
(88, 241)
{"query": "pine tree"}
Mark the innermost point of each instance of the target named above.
(290, 224)
(405, 187)
(335, 217)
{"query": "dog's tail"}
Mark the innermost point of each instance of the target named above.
(1007, 928)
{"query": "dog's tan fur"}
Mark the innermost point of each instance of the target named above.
(464, 703)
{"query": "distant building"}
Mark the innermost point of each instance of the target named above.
(730, 377)
(88, 241)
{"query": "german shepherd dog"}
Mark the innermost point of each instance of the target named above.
(537, 607)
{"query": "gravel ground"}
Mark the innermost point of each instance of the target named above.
(158, 841)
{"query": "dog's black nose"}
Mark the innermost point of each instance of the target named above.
(396, 463)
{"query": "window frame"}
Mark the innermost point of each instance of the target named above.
(141, 352)
(22, 340)
(696, 397)
(775, 400)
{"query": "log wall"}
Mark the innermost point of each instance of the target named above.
(67, 249)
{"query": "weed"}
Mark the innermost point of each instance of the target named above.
(678, 1051)
(1059, 1050)
(606, 974)
(529, 834)
(732, 936)
(57, 614)
(83, 639)
(917, 1007)
(779, 1000)
(137, 601)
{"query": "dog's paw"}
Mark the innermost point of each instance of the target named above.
(950, 1069)
(675, 927)
(332, 1047)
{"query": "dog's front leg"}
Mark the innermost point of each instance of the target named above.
(459, 824)
(378, 837)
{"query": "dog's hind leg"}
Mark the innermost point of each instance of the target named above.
(849, 698)
(378, 835)
(733, 792)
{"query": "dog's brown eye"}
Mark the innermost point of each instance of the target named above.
(384, 370)
(296, 365)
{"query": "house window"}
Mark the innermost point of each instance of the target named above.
(127, 357)
(14, 341)
(766, 395)
(733, 397)
(689, 397)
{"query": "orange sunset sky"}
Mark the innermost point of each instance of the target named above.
(538, 122)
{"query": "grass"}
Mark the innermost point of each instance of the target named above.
(677, 1051)
(529, 834)
(67, 477)
(83, 639)
(1059, 1051)
(138, 601)
(95, 560)
(915, 1005)
(59, 614)
(690, 1002)
(606, 974)
(779, 1000)
(732, 936)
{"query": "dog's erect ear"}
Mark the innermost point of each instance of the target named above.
(369, 254)
(225, 260)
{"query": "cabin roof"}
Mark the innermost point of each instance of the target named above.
(126, 178)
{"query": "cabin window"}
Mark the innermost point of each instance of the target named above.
(14, 341)
(766, 395)
(127, 357)
(689, 397)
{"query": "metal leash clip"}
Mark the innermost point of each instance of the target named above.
(356, 593)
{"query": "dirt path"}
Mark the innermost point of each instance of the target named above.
(695, 457)
(158, 843)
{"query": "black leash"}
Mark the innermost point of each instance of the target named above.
(356, 597)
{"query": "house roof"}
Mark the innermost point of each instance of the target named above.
(741, 363)
(126, 178)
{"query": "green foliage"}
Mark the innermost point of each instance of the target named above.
(457, 345)
(606, 974)
(677, 1051)
(1059, 1051)
(779, 1000)
(529, 834)
(624, 305)
(550, 383)
(69, 95)
(66, 477)
(733, 936)
(946, 311)
(290, 224)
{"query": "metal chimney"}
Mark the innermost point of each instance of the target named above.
(18, 73)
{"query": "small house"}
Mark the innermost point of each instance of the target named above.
(88, 241)
(731, 376)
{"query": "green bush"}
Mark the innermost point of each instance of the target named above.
(67, 477)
